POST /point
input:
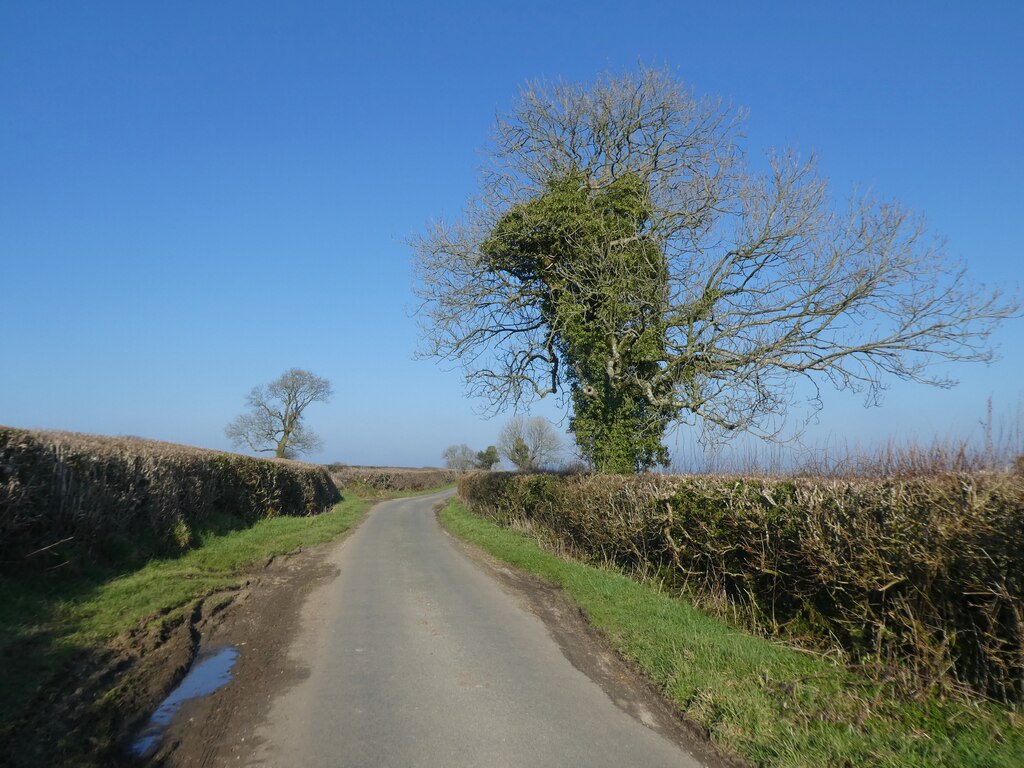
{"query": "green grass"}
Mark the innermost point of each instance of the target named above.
(46, 620)
(216, 564)
(771, 704)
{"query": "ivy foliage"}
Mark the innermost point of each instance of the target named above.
(584, 254)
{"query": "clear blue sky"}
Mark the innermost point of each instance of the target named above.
(197, 196)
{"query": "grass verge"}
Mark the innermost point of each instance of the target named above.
(45, 622)
(773, 705)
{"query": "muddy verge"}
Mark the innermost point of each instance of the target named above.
(587, 649)
(93, 712)
(213, 730)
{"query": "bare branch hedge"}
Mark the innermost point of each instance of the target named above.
(918, 579)
(67, 499)
(394, 478)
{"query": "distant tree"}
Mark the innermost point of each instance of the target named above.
(575, 467)
(487, 458)
(459, 457)
(529, 444)
(274, 422)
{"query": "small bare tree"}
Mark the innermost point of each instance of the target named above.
(529, 444)
(624, 251)
(274, 421)
(459, 457)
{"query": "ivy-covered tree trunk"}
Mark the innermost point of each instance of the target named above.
(602, 285)
(615, 435)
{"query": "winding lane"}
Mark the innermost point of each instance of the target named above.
(417, 657)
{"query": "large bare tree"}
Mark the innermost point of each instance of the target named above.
(623, 250)
(274, 422)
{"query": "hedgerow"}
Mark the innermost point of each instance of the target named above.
(69, 499)
(918, 579)
(393, 478)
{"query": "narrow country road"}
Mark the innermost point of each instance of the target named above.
(418, 658)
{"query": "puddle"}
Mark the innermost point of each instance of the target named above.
(209, 673)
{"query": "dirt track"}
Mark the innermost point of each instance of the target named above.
(261, 624)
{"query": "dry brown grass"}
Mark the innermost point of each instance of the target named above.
(68, 498)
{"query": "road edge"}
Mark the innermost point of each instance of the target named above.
(590, 651)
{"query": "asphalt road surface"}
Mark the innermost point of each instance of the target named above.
(417, 657)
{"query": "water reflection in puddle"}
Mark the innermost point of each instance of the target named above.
(208, 674)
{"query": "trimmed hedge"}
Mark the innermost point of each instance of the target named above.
(394, 478)
(68, 499)
(918, 579)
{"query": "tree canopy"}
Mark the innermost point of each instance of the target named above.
(274, 423)
(487, 458)
(529, 444)
(459, 456)
(625, 253)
